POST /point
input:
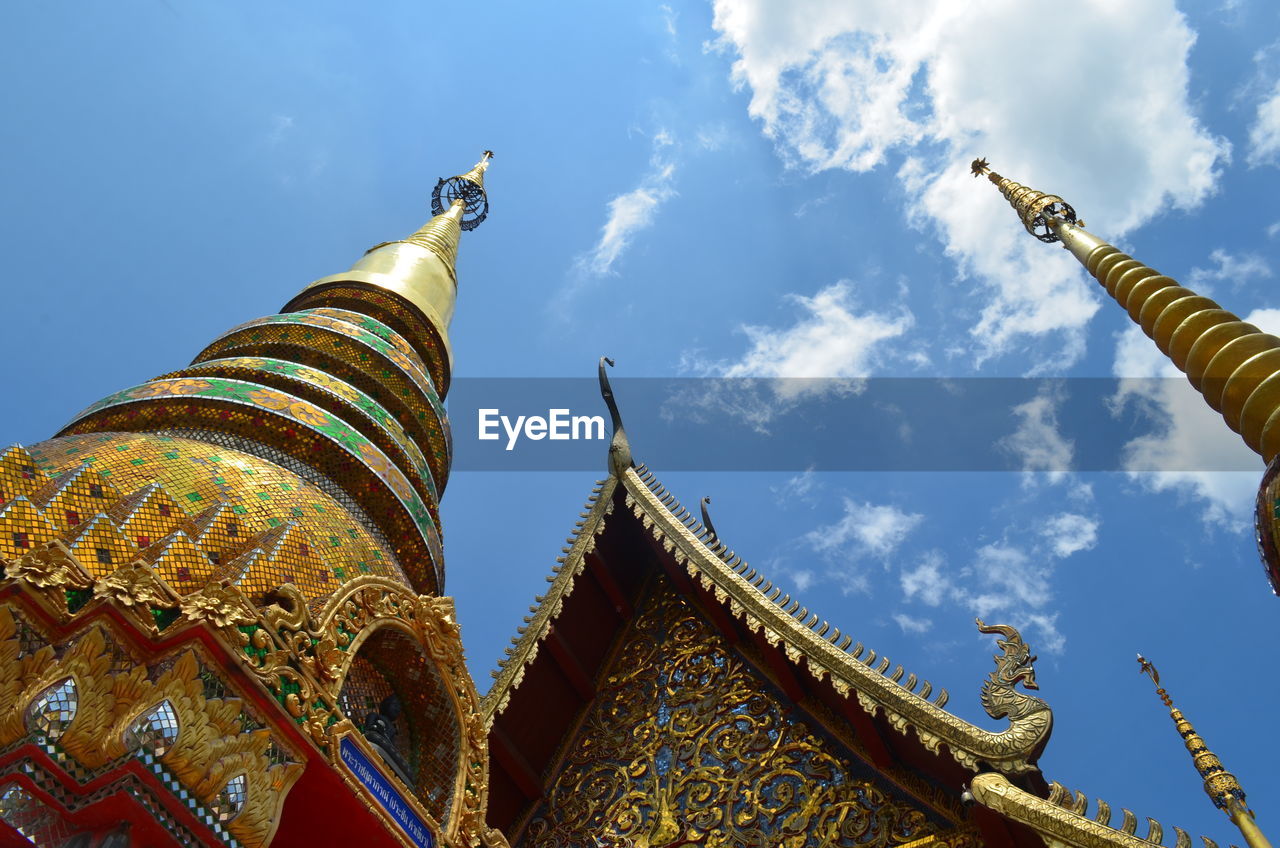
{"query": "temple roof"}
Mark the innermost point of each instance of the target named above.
(1012, 797)
(809, 642)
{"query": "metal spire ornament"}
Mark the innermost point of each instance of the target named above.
(1219, 784)
(469, 188)
(1235, 365)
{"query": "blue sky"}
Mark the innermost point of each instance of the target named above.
(736, 189)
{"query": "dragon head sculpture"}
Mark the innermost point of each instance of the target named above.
(1014, 665)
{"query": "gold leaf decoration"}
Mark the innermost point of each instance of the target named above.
(685, 746)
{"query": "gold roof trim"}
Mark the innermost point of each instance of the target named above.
(805, 642)
(804, 639)
(524, 645)
(1061, 820)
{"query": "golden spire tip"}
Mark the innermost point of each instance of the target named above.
(469, 188)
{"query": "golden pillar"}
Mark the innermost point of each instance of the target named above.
(1233, 364)
(1219, 784)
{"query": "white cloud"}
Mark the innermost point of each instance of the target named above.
(1069, 533)
(832, 338)
(803, 579)
(1006, 582)
(927, 581)
(798, 488)
(1037, 443)
(1264, 135)
(632, 212)
(1048, 638)
(1188, 435)
(1008, 577)
(843, 85)
(669, 18)
(827, 350)
(1233, 269)
(865, 528)
(910, 624)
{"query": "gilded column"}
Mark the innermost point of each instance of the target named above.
(1233, 364)
(1219, 784)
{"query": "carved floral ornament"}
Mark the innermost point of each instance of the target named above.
(1012, 750)
(684, 746)
(300, 662)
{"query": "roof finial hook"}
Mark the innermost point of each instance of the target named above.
(713, 537)
(619, 448)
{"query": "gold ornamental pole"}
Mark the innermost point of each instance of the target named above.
(1219, 784)
(1234, 365)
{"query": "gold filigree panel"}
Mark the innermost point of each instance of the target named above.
(686, 745)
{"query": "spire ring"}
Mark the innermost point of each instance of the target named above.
(469, 188)
(473, 197)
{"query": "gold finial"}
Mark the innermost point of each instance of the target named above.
(469, 188)
(422, 268)
(1040, 212)
(1219, 784)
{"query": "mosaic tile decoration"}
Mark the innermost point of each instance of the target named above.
(23, 812)
(147, 515)
(390, 309)
(296, 412)
(409, 364)
(283, 460)
(53, 710)
(305, 432)
(363, 689)
(18, 474)
(343, 358)
(100, 546)
(155, 730)
(22, 528)
(389, 661)
(342, 400)
(75, 495)
(369, 324)
(231, 799)
(71, 800)
(238, 496)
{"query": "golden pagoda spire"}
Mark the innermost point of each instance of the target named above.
(1234, 365)
(421, 268)
(1219, 784)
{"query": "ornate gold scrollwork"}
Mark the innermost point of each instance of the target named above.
(684, 746)
(301, 660)
(209, 748)
(1011, 750)
(326, 645)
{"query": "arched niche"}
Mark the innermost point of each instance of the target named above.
(425, 737)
